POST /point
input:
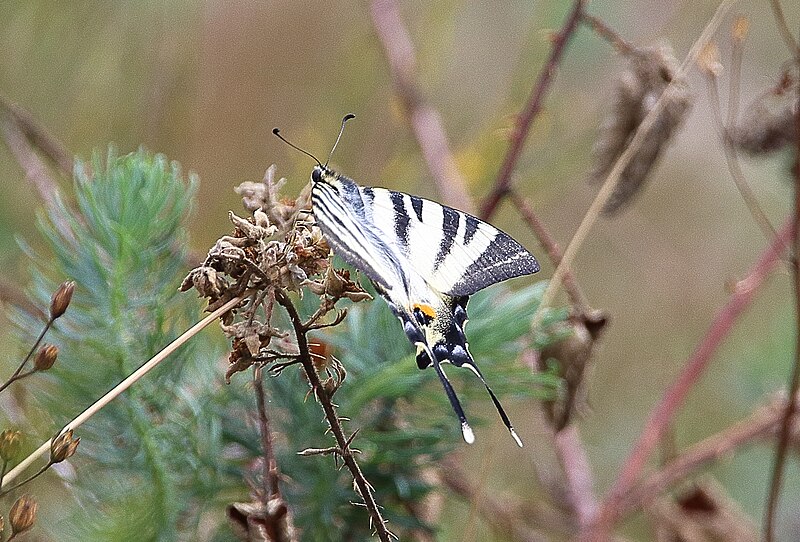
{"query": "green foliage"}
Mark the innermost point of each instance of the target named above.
(180, 445)
(141, 458)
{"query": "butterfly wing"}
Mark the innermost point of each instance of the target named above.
(339, 212)
(457, 253)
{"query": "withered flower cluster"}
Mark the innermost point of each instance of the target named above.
(648, 72)
(278, 248)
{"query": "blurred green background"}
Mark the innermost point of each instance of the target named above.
(205, 82)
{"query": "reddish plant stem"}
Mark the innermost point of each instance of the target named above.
(578, 473)
(425, 120)
(532, 109)
(550, 246)
(794, 380)
(694, 368)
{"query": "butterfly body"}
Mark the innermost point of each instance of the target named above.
(425, 260)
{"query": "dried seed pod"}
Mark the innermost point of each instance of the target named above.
(63, 446)
(769, 123)
(22, 515)
(10, 444)
(45, 357)
(61, 299)
(648, 73)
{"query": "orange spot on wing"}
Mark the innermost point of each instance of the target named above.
(427, 310)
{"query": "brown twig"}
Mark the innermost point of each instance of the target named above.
(425, 120)
(764, 421)
(607, 33)
(38, 136)
(550, 245)
(532, 108)
(270, 471)
(794, 379)
(694, 368)
(344, 450)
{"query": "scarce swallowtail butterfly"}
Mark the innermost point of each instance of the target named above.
(425, 259)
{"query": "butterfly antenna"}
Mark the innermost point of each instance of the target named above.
(341, 131)
(466, 430)
(277, 132)
(497, 405)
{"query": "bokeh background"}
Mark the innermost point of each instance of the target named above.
(205, 82)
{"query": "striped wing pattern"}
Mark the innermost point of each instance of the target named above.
(425, 259)
(455, 252)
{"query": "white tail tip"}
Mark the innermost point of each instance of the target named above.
(516, 437)
(466, 430)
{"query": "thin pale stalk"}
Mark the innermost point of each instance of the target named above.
(622, 162)
(122, 386)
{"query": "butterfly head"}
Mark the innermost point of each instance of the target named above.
(323, 174)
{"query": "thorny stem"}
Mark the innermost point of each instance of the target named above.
(530, 112)
(794, 382)
(425, 120)
(695, 367)
(270, 473)
(345, 451)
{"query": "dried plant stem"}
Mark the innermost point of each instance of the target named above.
(344, 450)
(578, 474)
(622, 162)
(732, 159)
(270, 473)
(607, 33)
(122, 386)
(532, 108)
(794, 380)
(694, 368)
(38, 136)
(764, 421)
(18, 372)
(576, 295)
(425, 120)
(783, 28)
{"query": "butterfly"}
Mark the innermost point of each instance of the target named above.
(425, 259)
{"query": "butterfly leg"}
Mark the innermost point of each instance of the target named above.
(466, 430)
(496, 402)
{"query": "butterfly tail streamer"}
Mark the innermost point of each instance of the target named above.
(466, 430)
(497, 405)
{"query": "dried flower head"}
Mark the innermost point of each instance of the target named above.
(649, 72)
(61, 299)
(45, 357)
(708, 60)
(768, 124)
(279, 247)
(741, 27)
(22, 515)
(10, 444)
(63, 446)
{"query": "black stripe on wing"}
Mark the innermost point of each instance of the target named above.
(464, 261)
(503, 259)
(349, 240)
